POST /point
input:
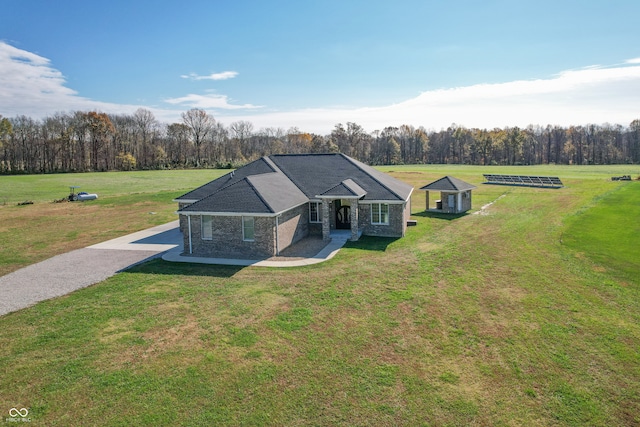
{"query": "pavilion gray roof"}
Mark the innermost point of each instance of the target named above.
(448, 183)
(276, 183)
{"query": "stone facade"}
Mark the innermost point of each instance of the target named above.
(182, 218)
(227, 238)
(293, 226)
(398, 216)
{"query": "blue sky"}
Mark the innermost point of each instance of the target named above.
(430, 63)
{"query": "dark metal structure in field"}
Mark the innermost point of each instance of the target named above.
(524, 180)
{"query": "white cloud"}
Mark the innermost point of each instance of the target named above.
(207, 102)
(30, 85)
(591, 95)
(226, 75)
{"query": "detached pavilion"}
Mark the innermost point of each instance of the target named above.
(455, 195)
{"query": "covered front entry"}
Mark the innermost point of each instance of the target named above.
(337, 215)
(340, 203)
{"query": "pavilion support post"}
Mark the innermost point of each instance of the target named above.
(427, 205)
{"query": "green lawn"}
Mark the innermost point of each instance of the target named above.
(127, 202)
(510, 317)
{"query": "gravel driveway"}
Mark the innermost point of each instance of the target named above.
(65, 273)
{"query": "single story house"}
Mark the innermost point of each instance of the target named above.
(455, 195)
(267, 205)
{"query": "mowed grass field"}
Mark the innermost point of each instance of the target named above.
(523, 313)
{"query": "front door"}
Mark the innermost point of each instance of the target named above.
(452, 203)
(343, 218)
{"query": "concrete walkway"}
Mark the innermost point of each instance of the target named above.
(77, 269)
(325, 254)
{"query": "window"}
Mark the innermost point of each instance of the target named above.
(315, 212)
(247, 228)
(380, 213)
(207, 230)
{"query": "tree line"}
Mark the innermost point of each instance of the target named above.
(93, 141)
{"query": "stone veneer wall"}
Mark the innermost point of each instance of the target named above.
(293, 226)
(227, 238)
(397, 221)
(465, 202)
(183, 219)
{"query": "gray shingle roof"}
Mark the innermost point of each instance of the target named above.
(316, 173)
(279, 182)
(346, 188)
(253, 168)
(448, 183)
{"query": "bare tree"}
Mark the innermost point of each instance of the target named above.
(146, 124)
(200, 124)
(240, 133)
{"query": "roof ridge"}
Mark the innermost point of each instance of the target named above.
(355, 163)
(271, 164)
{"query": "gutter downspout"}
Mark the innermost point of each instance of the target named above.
(190, 246)
(277, 239)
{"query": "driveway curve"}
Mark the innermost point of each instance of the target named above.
(77, 269)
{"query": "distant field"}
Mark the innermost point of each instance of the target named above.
(46, 188)
(127, 202)
(525, 313)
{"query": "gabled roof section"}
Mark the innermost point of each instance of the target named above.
(268, 193)
(239, 197)
(259, 166)
(347, 188)
(448, 183)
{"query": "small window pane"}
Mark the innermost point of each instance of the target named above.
(207, 231)
(315, 212)
(379, 213)
(247, 228)
(375, 213)
(384, 213)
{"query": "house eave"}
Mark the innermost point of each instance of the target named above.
(257, 214)
(260, 214)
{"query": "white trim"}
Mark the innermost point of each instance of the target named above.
(190, 245)
(180, 212)
(228, 214)
(277, 236)
(386, 202)
(340, 197)
(185, 200)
